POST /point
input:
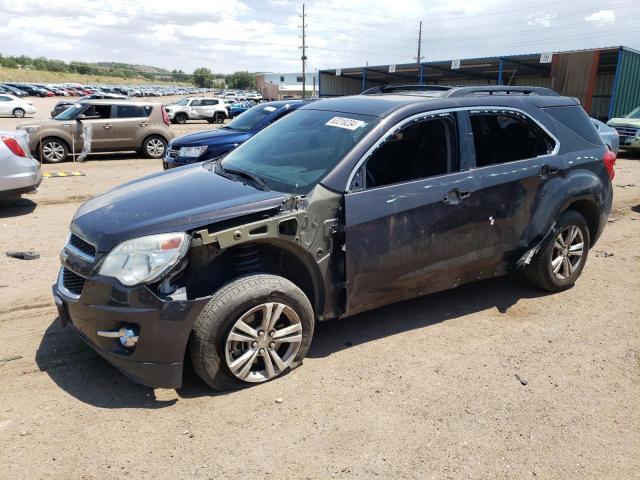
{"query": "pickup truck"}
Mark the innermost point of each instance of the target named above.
(628, 128)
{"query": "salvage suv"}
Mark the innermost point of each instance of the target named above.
(342, 206)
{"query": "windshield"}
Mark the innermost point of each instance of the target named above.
(635, 113)
(250, 119)
(293, 154)
(70, 113)
(182, 102)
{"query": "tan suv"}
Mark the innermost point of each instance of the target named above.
(116, 125)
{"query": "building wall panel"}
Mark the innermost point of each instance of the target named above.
(628, 87)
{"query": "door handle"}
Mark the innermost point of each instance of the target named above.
(455, 196)
(547, 170)
(107, 126)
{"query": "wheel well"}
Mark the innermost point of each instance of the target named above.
(154, 135)
(18, 108)
(209, 269)
(589, 211)
(61, 140)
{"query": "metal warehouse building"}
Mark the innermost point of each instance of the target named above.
(606, 80)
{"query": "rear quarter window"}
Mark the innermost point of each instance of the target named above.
(576, 119)
(133, 111)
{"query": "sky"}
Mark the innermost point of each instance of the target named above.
(264, 35)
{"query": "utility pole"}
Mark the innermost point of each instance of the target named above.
(419, 57)
(304, 53)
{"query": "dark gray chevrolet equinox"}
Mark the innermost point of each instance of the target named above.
(342, 206)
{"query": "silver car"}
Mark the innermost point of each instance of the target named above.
(19, 171)
(609, 135)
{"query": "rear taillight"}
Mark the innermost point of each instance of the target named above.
(13, 145)
(609, 160)
(165, 117)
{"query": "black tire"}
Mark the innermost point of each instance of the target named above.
(18, 112)
(151, 147)
(540, 270)
(214, 324)
(219, 118)
(180, 118)
(53, 150)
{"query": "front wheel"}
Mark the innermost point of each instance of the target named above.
(253, 329)
(560, 262)
(53, 150)
(180, 118)
(18, 113)
(154, 147)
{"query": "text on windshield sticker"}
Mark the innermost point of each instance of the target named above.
(343, 122)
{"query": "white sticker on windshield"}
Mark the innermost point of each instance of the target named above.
(348, 123)
(269, 108)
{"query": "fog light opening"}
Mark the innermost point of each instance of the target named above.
(128, 336)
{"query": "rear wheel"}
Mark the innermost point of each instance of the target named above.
(53, 150)
(154, 147)
(219, 118)
(253, 329)
(180, 118)
(559, 263)
(18, 112)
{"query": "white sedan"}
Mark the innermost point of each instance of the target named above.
(14, 106)
(19, 171)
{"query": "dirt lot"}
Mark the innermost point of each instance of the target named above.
(424, 389)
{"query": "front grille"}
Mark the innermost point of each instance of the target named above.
(627, 131)
(72, 282)
(82, 245)
(173, 153)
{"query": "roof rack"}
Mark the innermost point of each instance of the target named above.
(406, 88)
(499, 90)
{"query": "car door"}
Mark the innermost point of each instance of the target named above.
(516, 163)
(130, 124)
(407, 224)
(6, 104)
(99, 119)
(197, 110)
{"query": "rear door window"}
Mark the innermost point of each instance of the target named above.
(133, 111)
(507, 137)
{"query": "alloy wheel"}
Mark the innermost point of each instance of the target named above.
(18, 113)
(53, 151)
(263, 342)
(155, 147)
(568, 249)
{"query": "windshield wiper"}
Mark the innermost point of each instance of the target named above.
(257, 181)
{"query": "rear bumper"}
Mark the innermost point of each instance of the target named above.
(163, 327)
(27, 179)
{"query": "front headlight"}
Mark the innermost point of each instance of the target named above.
(29, 129)
(145, 259)
(192, 151)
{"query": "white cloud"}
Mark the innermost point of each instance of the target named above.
(602, 16)
(544, 20)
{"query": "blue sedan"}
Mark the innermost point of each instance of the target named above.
(200, 146)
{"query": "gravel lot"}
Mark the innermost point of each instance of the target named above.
(490, 380)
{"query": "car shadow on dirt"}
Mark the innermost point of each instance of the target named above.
(16, 207)
(82, 373)
(497, 294)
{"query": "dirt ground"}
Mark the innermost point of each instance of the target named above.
(494, 380)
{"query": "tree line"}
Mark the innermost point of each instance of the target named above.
(201, 77)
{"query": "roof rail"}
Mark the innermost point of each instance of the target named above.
(406, 88)
(499, 90)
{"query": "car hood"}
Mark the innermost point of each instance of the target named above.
(174, 201)
(212, 137)
(624, 122)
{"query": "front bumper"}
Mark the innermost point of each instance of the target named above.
(163, 327)
(629, 143)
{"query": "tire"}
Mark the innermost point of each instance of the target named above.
(213, 349)
(542, 269)
(18, 112)
(180, 118)
(154, 146)
(219, 118)
(53, 150)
